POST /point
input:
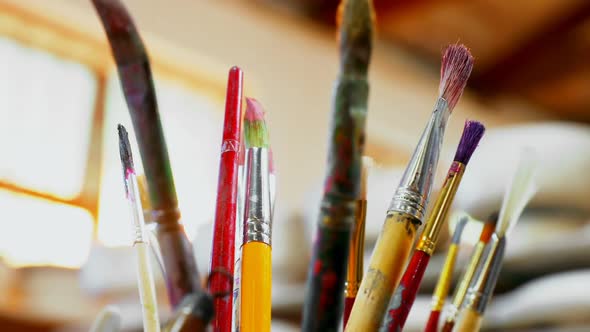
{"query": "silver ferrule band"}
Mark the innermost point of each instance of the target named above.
(484, 283)
(413, 191)
(257, 204)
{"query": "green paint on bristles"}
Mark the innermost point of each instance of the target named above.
(256, 134)
(255, 131)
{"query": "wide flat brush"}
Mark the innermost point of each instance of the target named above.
(256, 278)
(145, 277)
(444, 280)
(402, 300)
(323, 304)
(223, 247)
(357, 244)
(467, 277)
(520, 191)
(133, 66)
(409, 202)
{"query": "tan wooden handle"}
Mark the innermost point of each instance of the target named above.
(469, 321)
(386, 266)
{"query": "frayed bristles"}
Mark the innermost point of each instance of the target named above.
(522, 188)
(472, 134)
(255, 132)
(457, 63)
(367, 163)
(459, 229)
(125, 150)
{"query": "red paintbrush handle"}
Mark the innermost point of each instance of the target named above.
(348, 302)
(405, 294)
(448, 326)
(222, 255)
(432, 324)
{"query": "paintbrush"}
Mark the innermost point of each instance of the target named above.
(239, 238)
(107, 320)
(182, 275)
(405, 213)
(444, 280)
(461, 290)
(187, 316)
(402, 300)
(357, 244)
(223, 247)
(326, 275)
(145, 277)
(520, 191)
(255, 306)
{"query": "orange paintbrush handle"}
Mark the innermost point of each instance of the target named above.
(386, 266)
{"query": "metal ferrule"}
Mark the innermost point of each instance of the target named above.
(411, 196)
(481, 290)
(463, 287)
(441, 208)
(355, 258)
(257, 226)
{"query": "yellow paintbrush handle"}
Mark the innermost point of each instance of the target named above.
(444, 282)
(255, 287)
(386, 266)
(469, 321)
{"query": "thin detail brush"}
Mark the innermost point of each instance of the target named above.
(326, 276)
(239, 238)
(467, 277)
(405, 294)
(256, 277)
(145, 277)
(107, 320)
(444, 280)
(357, 244)
(223, 247)
(133, 66)
(406, 211)
(520, 191)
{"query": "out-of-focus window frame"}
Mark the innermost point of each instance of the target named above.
(41, 32)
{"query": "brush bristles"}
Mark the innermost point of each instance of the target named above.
(518, 194)
(472, 134)
(457, 63)
(255, 131)
(459, 229)
(125, 150)
(367, 163)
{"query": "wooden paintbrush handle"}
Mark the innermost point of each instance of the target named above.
(256, 287)
(402, 300)
(385, 270)
(469, 321)
(432, 323)
(448, 326)
(348, 303)
(325, 281)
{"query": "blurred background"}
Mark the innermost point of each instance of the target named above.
(65, 237)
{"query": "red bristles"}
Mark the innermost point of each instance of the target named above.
(457, 63)
(472, 134)
(223, 251)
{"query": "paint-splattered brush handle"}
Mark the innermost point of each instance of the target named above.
(403, 299)
(326, 277)
(327, 271)
(385, 269)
